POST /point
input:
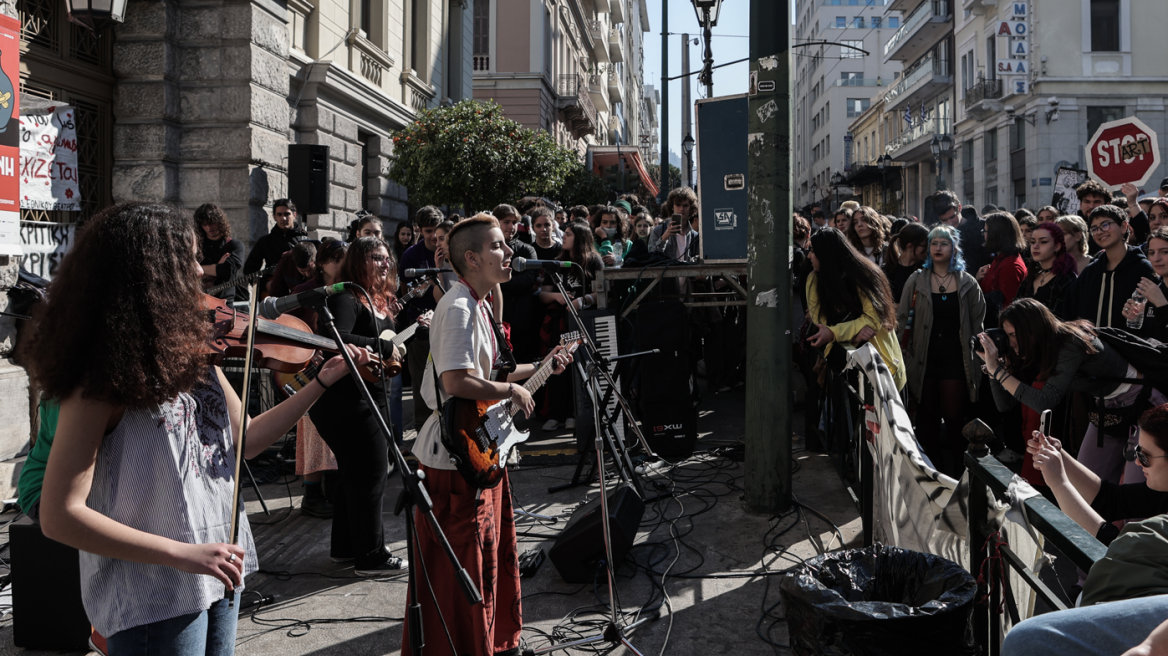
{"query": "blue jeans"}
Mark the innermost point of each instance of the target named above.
(395, 407)
(209, 633)
(1104, 629)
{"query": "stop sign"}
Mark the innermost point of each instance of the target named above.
(1123, 151)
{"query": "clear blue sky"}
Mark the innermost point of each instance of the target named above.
(733, 22)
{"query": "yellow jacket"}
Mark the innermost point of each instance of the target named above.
(884, 341)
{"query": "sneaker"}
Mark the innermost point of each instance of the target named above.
(1008, 456)
(551, 425)
(570, 423)
(97, 643)
(316, 506)
(394, 564)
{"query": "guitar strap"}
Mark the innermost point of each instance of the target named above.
(509, 364)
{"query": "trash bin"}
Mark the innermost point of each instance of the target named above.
(879, 601)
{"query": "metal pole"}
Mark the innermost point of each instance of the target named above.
(686, 106)
(708, 70)
(768, 317)
(664, 191)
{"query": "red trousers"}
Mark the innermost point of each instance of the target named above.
(480, 525)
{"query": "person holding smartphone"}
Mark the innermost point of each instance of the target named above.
(672, 238)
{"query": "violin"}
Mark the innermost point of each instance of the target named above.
(284, 344)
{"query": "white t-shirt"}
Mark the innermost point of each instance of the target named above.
(460, 338)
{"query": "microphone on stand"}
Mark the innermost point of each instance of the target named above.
(272, 308)
(521, 264)
(414, 273)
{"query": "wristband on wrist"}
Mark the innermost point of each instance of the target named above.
(320, 381)
(510, 390)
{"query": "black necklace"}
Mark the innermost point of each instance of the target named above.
(941, 285)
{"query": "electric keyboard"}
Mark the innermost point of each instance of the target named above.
(602, 327)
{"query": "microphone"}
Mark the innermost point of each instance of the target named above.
(274, 307)
(521, 264)
(414, 273)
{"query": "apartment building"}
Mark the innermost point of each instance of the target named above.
(1099, 59)
(835, 82)
(922, 99)
(573, 68)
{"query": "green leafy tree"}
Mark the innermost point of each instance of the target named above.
(469, 155)
(654, 171)
(581, 187)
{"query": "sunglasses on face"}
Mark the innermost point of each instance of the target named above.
(1133, 453)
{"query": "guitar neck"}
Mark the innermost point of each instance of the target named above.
(241, 280)
(401, 337)
(534, 383)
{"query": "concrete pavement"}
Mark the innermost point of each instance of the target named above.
(697, 528)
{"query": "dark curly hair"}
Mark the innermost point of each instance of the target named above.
(211, 214)
(125, 319)
(356, 269)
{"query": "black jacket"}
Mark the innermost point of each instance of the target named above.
(213, 251)
(1053, 294)
(1086, 294)
(521, 293)
(268, 249)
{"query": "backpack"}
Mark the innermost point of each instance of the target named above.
(1151, 358)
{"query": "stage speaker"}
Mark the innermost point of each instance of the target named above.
(308, 178)
(666, 390)
(580, 546)
(46, 591)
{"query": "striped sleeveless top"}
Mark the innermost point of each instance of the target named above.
(167, 470)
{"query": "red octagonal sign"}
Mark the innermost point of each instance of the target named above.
(1123, 151)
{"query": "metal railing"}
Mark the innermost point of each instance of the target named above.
(859, 82)
(927, 127)
(575, 87)
(927, 10)
(989, 475)
(925, 68)
(983, 90)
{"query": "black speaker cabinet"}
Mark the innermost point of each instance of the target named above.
(308, 178)
(46, 591)
(580, 546)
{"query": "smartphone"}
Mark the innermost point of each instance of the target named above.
(1044, 423)
(677, 219)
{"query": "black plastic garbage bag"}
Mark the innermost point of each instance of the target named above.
(879, 601)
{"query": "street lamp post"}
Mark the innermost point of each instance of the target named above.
(96, 14)
(837, 179)
(883, 163)
(707, 11)
(687, 146)
(941, 146)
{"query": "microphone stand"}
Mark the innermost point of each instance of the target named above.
(613, 632)
(413, 494)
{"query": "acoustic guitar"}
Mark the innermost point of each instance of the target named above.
(289, 384)
(483, 433)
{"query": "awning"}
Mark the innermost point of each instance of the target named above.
(603, 156)
(864, 174)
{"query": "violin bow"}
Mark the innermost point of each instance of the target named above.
(241, 443)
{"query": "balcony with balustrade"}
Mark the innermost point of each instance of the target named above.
(616, 11)
(599, 36)
(914, 142)
(616, 91)
(983, 99)
(923, 80)
(616, 51)
(927, 25)
(575, 105)
(598, 89)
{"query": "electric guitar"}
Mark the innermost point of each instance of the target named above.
(242, 279)
(289, 384)
(483, 433)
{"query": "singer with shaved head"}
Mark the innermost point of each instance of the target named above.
(465, 355)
